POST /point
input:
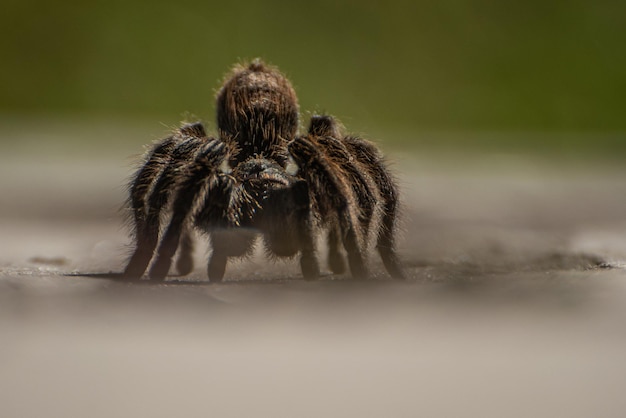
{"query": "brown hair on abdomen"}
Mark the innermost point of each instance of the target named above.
(257, 109)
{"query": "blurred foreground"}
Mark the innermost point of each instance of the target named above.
(515, 305)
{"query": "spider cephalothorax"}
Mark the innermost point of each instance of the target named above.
(260, 177)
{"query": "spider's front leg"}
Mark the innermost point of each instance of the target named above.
(374, 186)
(151, 190)
(142, 184)
(334, 199)
(201, 179)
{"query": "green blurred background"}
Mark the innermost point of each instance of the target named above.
(543, 75)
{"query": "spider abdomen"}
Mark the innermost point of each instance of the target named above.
(257, 109)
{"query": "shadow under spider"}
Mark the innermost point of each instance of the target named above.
(121, 278)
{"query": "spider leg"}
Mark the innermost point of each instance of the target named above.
(304, 227)
(162, 193)
(373, 161)
(326, 126)
(333, 197)
(163, 181)
(199, 179)
(140, 188)
(184, 262)
(326, 132)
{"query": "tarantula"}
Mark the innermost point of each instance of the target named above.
(258, 176)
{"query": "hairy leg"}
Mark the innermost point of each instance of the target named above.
(198, 179)
(373, 161)
(369, 158)
(326, 126)
(140, 189)
(158, 196)
(325, 131)
(304, 226)
(334, 198)
(386, 240)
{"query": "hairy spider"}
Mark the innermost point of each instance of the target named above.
(258, 176)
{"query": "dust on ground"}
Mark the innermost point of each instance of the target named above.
(514, 306)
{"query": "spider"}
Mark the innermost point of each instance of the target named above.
(259, 176)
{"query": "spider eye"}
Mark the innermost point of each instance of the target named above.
(225, 167)
(291, 167)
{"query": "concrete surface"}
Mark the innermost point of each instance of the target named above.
(514, 307)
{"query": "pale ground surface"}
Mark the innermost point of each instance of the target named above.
(515, 306)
